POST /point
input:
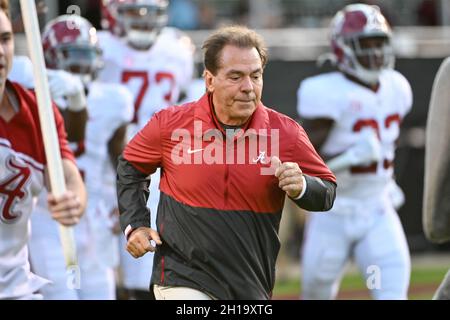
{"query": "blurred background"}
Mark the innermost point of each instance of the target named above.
(296, 32)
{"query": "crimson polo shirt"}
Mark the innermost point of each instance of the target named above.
(218, 216)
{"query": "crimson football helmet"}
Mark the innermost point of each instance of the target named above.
(140, 21)
(70, 43)
(349, 27)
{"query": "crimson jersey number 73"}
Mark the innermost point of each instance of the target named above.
(145, 85)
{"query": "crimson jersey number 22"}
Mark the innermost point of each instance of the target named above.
(372, 123)
(145, 85)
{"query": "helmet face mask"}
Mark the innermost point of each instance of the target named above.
(81, 60)
(361, 42)
(142, 24)
(140, 21)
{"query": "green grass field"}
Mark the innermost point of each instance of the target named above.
(424, 282)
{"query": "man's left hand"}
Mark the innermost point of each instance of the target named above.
(67, 209)
(290, 176)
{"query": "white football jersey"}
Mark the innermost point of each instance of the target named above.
(195, 90)
(21, 180)
(22, 159)
(155, 76)
(110, 106)
(354, 108)
(22, 71)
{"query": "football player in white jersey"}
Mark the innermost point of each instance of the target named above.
(70, 45)
(22, 176)
(353, 118)
(155, 62)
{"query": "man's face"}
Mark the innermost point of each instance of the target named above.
(371, 54)
(237, 86)
(6, 46)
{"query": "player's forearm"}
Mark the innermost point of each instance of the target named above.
(116, 145)
(132, 194)
(76, 125)
(319, 195)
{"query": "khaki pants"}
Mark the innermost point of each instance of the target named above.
(179, 293)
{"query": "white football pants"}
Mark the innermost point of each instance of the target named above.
(373, 236)
(95, 278)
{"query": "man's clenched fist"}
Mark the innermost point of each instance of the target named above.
(290, 177)
(139, 242)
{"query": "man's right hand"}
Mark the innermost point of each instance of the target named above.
(139, 242)
(67, 209)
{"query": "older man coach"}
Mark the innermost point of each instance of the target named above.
(220, 206)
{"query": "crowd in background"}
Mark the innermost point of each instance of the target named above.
(209, 14)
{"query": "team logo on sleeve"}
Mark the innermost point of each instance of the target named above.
(13, 190)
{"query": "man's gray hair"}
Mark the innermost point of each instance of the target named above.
(239, 36)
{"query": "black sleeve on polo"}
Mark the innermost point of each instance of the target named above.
(319, 195)
(132, 195)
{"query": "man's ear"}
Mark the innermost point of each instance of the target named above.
(209, 81)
